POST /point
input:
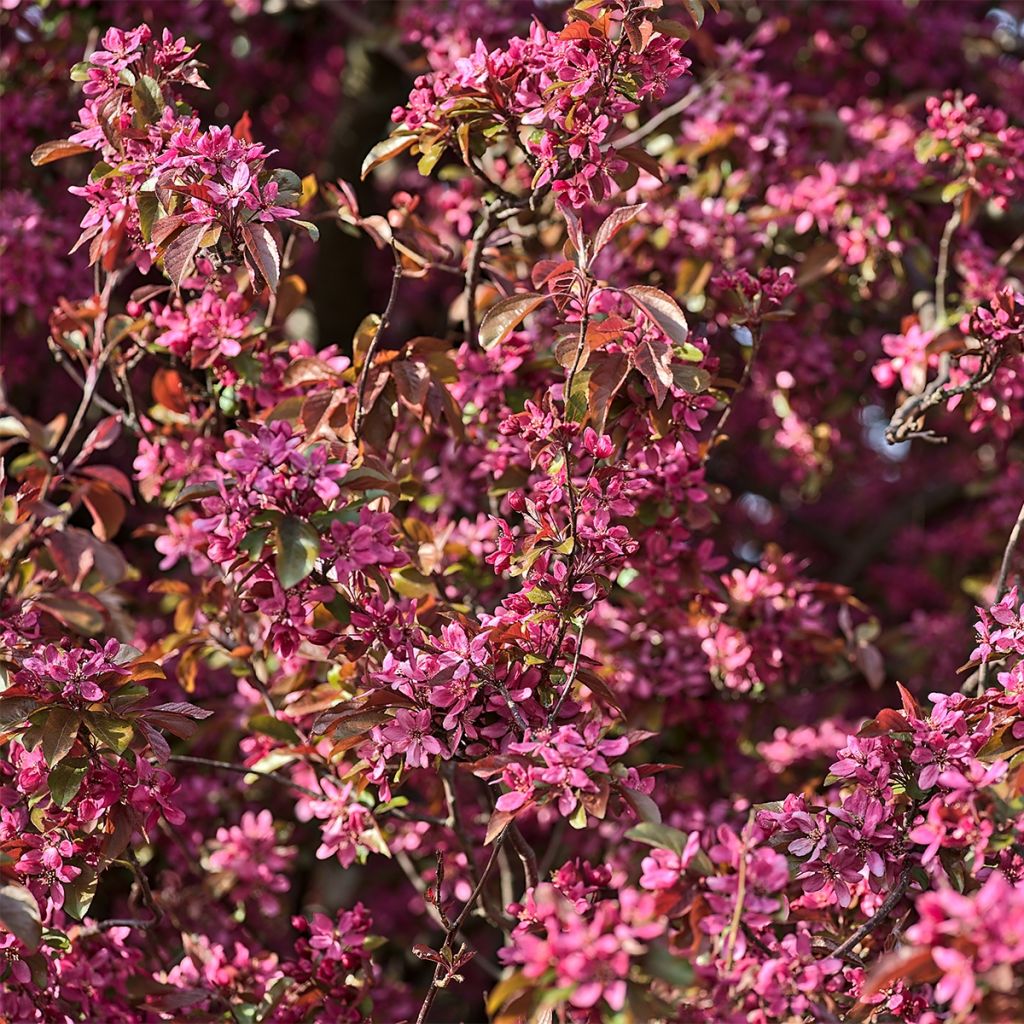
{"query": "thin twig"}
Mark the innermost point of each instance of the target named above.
(480, 236)
(510, 703)
(755, 344)
(877, 918)
(240, 769)
(453, 928)
(571, 678)
(371, 352)
(1011, 547)
(118, 922)
(1015, 247)
(1001, 584)
(671, 111)
(454, 820)
(737, 914)
(942, 268)
(907, 419)
(526, 855)
(92, 374)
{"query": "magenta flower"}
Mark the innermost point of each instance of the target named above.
(410, 734)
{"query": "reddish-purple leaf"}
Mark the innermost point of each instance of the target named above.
(614, 223)
(60, 728)
(19, 915)
(261, 250)
(180, 254)
(662, 309)
(103, 435)
(654, 361)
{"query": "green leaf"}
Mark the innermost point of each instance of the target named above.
(691, 379)
(578, 402)
(275, 727)
(663, 837)
(59, 730)
(112, 732)
(149, 207)
(19, 915)
(289, 187)
(147, 99)
(646, 809)
(695, 9)
(662, 963)
(953, 189)
(308, 226)
(78, 895)
(66, 780)
(252, 543)
(340, 609)
(80, 71)
(298, 547)
(56, 939)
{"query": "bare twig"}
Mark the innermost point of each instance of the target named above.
(453, 928)
(526, 855)
(240, 769)
(371, 352)
(1001, 584)
(755, 344)
(741, 895)
(674, 109)
(570, 678)
(1011, 547)
(480, 236)
(877, 918)
(95, 370)
(1015, 247)
(907, 420)
(942, 269)
(118, 922)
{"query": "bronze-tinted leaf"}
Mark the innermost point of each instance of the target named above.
(505, 316)
(261, 251)
(180, 254)
(19, 915)
(662, 309)
(614, 223)
(59, 731)
(384, 151)
(58, 149)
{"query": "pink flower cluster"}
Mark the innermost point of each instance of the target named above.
(571, 936)
(566, 90)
